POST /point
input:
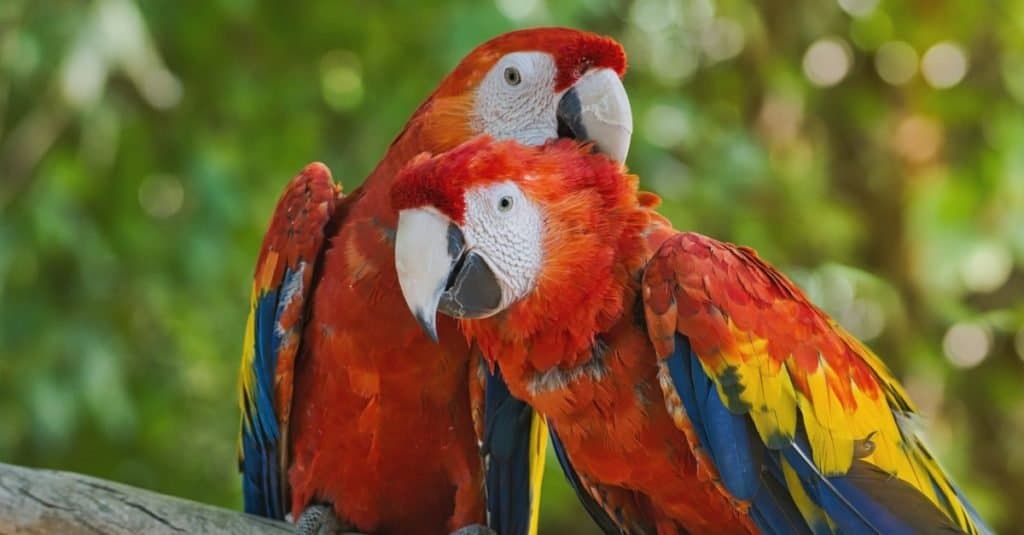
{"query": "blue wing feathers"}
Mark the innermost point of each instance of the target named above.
(773, 474)
(679, 367)
(507, 445)
(734, 455)
(268, 342)
(724, 435)
(772, 507)
(262, 488)
(261, 478)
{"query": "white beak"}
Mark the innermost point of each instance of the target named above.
(423, 260)
(597, 109)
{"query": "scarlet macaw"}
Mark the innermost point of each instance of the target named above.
(688, 385)
(347, 406)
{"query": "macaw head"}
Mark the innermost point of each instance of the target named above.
(495, 226)
(533, 86)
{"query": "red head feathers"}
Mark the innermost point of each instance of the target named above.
(442, 181)
(574, 51)
(445, 118)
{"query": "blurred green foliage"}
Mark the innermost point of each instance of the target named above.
(871, 149)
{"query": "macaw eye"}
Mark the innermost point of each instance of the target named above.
(505, 204)
(512, 76)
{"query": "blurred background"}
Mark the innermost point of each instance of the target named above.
(873, 149)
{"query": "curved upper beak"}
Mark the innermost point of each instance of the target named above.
(436, 270)
(596, 109)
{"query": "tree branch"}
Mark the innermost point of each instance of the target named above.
(37, 502)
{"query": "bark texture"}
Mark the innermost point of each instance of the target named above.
(34, 501)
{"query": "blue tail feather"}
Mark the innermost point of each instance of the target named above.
(507, 445)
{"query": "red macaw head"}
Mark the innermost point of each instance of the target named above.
(533, 86)
(496, 225)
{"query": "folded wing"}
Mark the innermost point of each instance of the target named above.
(282, 288)
(796, 415)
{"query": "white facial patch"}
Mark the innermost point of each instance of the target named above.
(506, 229)
(517, 99)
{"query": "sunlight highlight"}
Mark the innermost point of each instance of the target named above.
(827, 62)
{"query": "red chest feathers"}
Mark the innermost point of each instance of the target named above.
(610, 415)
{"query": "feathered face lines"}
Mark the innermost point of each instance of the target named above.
(537, 231)
(534, 86)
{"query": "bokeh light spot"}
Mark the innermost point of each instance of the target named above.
(826, 62)
(671, 63)
(655, 15)
(670, 178)
(986, 268)
(161, 196)
(918, 138)
(896, 62)
(665, 126)
(858, 8)
(341, 80)
(780, 118)
(864, 318)
(944, 65)
(966, 344)
(722, 39)
(517, 9)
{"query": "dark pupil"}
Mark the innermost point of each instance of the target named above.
(512, 76)
(505, 203)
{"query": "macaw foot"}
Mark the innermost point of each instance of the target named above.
(474, 529)
(321, 520)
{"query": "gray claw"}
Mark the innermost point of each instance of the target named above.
(474, 529)
(321, 520)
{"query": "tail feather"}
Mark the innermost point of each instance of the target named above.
(512, 492)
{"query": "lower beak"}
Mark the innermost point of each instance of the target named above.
(436, 271)
(597, 109)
